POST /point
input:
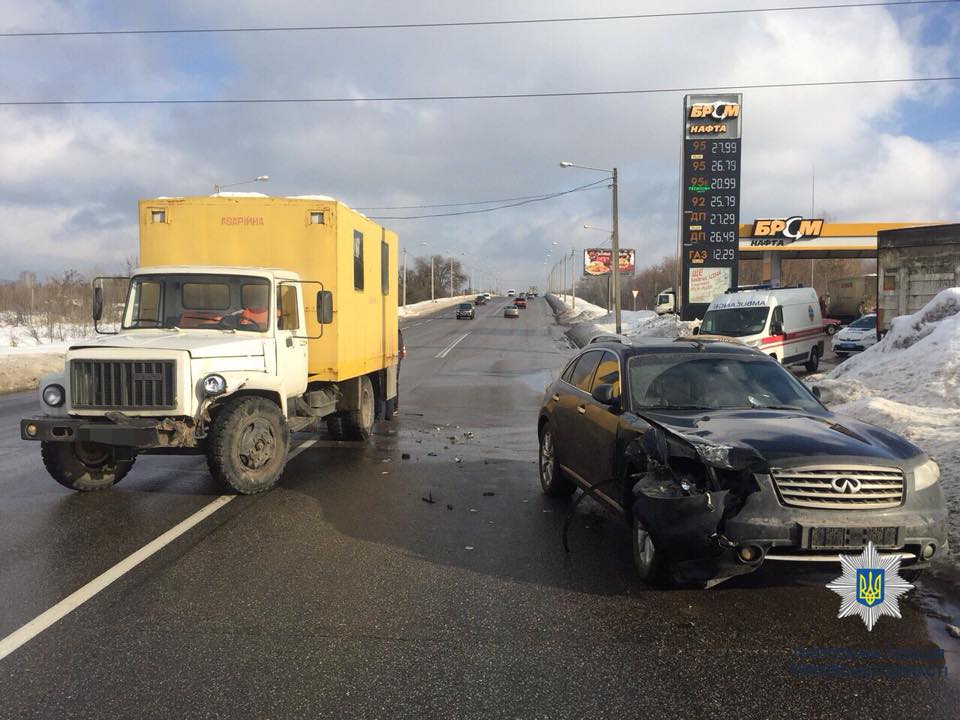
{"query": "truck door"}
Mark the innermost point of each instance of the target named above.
(291, 340)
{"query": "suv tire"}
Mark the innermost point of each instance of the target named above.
(552, 480)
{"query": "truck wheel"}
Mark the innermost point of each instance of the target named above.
(248, 445)
(551, 479)
(358, 424)
(814, 362)
(84, 466)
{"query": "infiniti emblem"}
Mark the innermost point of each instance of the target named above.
(846, 485)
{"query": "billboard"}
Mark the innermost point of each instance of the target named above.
(597, 261)
(710, 220)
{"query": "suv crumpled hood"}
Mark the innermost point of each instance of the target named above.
(199, 343)
(788, 436)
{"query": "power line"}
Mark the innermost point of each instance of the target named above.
(490, 96)
(589, 186)
(456, 204)
(476, 23)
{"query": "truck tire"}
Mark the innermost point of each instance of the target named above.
(248, 445)
(813, 364)
(358, 424)
(84, 466)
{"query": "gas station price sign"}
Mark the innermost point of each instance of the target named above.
(710, 172)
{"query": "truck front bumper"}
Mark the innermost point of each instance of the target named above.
(132, 432)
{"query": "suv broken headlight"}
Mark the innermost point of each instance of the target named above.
(926, 475)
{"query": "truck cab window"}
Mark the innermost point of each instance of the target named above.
(358, 260)
(255, 300)
(288, 317)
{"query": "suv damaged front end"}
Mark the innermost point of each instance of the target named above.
(716, 509)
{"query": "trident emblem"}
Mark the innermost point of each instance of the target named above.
(869, 586)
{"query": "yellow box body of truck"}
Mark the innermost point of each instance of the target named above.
(322, 240)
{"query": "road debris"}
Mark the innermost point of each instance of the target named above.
(429, 499)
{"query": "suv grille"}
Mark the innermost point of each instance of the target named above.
(123, 384)
(852, 487)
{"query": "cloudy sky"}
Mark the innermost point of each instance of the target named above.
(70, 176)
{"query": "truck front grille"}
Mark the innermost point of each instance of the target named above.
(849, 487)
(123, 384)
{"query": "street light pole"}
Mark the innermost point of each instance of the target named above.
(404, 277)
(614, 239)
(433, 297)
(615, 260)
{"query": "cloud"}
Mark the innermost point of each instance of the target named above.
(878, 154)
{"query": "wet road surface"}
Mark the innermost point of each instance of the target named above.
(368, 585)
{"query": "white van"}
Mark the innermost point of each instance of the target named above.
(511, 292)
(666, 302)
(785, 323)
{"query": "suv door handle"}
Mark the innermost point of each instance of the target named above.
(581, 409)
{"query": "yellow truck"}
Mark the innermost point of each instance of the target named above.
(249, 318)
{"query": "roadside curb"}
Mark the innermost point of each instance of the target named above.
(577, 333)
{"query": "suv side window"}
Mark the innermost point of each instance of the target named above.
(583, 373)
(567, 373)
(777, 320)
(608, 373)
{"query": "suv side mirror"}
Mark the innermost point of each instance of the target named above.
(776, 328)
(603, 394)
(97, 303)
(696, 330)
(324, 307)
(824, 395)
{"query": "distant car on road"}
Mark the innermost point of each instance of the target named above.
(480, 300)
(520, 302)
(488, 296)
(721, 460)
(856, 337)
(831, 325)
(465, 310)
(511, 311)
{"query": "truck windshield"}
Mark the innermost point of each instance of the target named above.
(735, 322)
(210, 302)
(682, 382)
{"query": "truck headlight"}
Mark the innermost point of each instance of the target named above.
(926, 475)
(53, 395)
(214, 385)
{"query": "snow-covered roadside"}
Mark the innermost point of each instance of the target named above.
(909, 383)
(26, 356)
(590, 320)
(429, 306)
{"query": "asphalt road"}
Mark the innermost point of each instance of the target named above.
(368, 585)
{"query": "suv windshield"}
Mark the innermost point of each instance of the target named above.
(697, 382)
(465, 306)
(735, 322)
(212, 302)
(867, 322)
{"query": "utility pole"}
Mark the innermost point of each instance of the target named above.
(564, 290)
(573, 277)
(433, 296)
(615, 260)
(404, 277)
(451, 276)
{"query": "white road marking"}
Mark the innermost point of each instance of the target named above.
(446, 351)
(25, 634)
(70, 603)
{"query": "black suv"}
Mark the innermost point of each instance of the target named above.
(721, 460)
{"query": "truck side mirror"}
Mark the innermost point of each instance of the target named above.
(97, 303)
(776, 328)
(324, 307)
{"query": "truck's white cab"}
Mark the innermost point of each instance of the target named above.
(666, 302)
(784, 323)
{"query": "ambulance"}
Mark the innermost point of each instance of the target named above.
(784, 323)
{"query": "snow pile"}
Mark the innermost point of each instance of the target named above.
(429, 306)
(909, 383)
(583, 311)
(918, 360)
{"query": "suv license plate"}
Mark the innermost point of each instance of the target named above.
(820, 538)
